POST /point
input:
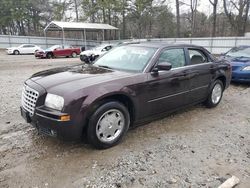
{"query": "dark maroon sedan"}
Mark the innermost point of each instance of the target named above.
(129, 85)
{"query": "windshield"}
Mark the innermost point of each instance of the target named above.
(127, 58)
(242, 51)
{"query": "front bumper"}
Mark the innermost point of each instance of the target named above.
(40, 55)
(241, 76)
(47, 121)
(9, 52)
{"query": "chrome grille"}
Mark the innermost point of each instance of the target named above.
(29, 98)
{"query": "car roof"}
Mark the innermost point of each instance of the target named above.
(162, 44)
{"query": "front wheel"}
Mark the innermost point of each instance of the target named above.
(215, 94)
(49, 55)
(108, 125)
(74, 54)
(16, 52)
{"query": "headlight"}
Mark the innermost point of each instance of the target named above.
(246, 68)
(54, 101)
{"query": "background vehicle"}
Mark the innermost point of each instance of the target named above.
(23, 49)
(129, 85)
(239, 58)
(89, 56)
(58, 51)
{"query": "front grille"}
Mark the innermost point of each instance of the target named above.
(47, 131)
(29, 98)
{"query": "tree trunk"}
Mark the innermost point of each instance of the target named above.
(178, 18)
(76, 10)
(123, 20)
(214, 4)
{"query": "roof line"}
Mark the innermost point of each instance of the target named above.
(79, 26)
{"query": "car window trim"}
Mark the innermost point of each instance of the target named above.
(208, 59)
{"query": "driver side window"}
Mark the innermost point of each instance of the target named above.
(175, 56)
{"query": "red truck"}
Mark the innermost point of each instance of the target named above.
(58, 51)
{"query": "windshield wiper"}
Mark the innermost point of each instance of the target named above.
(104, 66)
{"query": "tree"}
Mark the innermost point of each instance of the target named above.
(237, 14)
(214, 4)
(193, 7)
(76, 10)
(177, 4)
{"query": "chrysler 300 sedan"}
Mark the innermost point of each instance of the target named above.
(129, 85)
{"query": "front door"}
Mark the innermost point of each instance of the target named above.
(167, 90)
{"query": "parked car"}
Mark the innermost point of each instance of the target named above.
(58, 51)
(89, 56)
(130, 85)
(23, 49)
(239, 57)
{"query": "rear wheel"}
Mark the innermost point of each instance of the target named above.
(215, 94)
(74, 54)
(16, 52)
(108, 125)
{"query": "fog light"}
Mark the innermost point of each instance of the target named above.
(65, 118)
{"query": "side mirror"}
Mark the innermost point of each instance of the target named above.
(164, 66)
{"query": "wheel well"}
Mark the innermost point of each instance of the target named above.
(223, 80)
(125, 100)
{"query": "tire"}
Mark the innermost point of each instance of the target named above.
(16, 52)
(215, 94)
(85, 59)
(49, 55)
(108, 124)
(74, 54)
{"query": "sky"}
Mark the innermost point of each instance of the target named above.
(203, 6)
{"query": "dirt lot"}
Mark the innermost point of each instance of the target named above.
(197, 147)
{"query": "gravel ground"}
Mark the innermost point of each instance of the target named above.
(196, 147)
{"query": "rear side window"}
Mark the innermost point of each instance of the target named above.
(197, 57)
(175, 57)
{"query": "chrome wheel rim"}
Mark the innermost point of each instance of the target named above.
(110, 125)
(74, 55)
(216, 93)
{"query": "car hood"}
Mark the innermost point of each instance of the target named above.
(90, 52)
(11, 48)
(238, 61)
(75, 77)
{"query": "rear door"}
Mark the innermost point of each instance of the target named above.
(200, 70)
(58, 51)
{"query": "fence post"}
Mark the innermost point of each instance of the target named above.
(9, 41)
(235, 42)
(211, 44)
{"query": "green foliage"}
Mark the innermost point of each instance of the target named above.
(135, 18)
